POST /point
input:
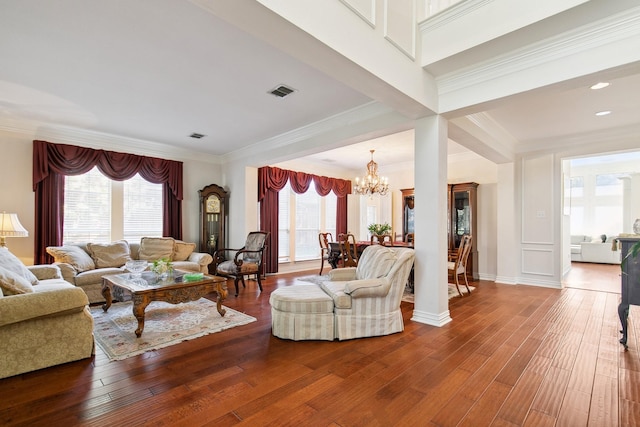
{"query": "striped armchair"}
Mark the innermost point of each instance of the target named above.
(364, 300)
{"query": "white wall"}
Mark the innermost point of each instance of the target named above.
(16, 194)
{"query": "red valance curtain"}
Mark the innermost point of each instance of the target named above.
(271, 180)
(52, 162)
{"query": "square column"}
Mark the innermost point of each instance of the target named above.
(431, 294)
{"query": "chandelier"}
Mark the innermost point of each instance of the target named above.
(371, 183)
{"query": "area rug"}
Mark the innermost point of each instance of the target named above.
(453, 292)
(407, 295)
(164, 325)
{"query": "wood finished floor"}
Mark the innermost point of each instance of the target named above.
(513, 356)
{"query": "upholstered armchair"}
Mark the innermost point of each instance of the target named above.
(351, 302)
(247, 260)
(367, 298)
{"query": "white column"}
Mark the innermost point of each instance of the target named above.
(431, 302)
(507, 235)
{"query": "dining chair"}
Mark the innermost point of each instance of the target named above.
(458, 265)
(409, 238)
(349, 249)
(325, 248)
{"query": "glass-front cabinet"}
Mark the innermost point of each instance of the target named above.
(463, 220)
(213, 214)
(407, 212)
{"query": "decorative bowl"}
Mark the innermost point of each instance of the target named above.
(136, 267)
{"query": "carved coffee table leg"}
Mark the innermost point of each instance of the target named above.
(222, 294)
(106, 293)
(139, 305)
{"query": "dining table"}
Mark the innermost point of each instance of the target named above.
(335, 252)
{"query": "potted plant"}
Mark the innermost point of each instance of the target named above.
(379, 229)
(163, 267)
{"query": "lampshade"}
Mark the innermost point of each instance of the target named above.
(10, 227)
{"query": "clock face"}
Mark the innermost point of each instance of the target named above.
(213, 204)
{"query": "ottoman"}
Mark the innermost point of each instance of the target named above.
(302, 312)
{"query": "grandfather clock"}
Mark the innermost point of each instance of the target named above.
(213, 220)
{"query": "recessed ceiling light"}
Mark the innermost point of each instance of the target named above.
(600, 85)
(603, 113)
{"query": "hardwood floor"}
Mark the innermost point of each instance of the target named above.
(513, 356)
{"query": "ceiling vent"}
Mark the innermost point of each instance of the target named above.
(196, 135)
(281, 91)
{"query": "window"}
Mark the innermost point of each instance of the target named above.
(301, 218)
(142, 209)
(87, 208)
(608, 185)
(577, 186)
(97, 209)
(284, 226)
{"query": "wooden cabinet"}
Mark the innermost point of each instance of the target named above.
(213, 220)
(462, 202)
(462, 199)
(407, 212)
(630, 278)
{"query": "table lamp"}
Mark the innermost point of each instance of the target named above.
(10, 227)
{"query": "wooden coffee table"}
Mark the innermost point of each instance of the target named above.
(148, 288)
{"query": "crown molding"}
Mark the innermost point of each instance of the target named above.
(99, 140)
(618, 138)
(311, 132)
(618, 27)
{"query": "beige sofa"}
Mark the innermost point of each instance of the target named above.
(44, 321)
(84, 264)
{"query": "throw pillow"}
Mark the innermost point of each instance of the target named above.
(153, 248)
(13, 284)
(115, 254)
(13, 264)
(72, 255)
(183, 250)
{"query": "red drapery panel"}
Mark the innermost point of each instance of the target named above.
(51, 162)
(271, 180)
(299, 181)
(323, 184)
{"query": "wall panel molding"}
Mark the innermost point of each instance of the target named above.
(365, 9)
(539, 262)
(400, 25)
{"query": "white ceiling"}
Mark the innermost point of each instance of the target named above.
(159, 70)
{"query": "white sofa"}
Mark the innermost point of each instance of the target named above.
(588, 249)
(352, 302)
